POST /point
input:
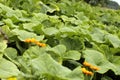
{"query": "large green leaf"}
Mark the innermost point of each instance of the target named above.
(10, 24)
(46, 65)
(50, 31)
(38, 29)
(59, 49)
(7, 31)
(67, 31)
(72, 43)
(14, 15)
(5, 8)
(3, 46)
(8, 69)
(116, 61)
(39, 17)
(43, 63)
(98, 59)
(33, 52)
(72, 54)
(76, 74)
(81, 16)
(51, 8)
(22, 35)
(114, 40)
(30, 26)
(97, 35)
(11, 53)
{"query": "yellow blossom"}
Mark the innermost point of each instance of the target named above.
(43, 45)
(12, 78)
(27, 40)
(86, 71)
(32, 40)
(94, 68)
(90, 66)
(86, 64)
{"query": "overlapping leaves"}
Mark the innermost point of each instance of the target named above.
(71, 33)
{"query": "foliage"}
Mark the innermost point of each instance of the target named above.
(52, 40)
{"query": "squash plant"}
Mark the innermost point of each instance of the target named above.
(58, 40)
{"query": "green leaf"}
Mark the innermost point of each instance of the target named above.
(43, 64)
(65, 18)
(3, 46)
(97, 59)
(97, 35)
(22, 35)
(59, 49)
(116, 61)
(76, 74)
(5, 8)
(67, 30)
(38, 29)
(72, 54)
(81, 16)
(50, 31)
(46, 65)
(50, 8)
(39, 17)
(9, 23)
(14, 15)
(34, 52)
(11, 52)
(74, 43)
(8, 69)
(29, 26)
(7, 31)
(114, 40)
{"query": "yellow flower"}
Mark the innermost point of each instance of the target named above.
(90, 66)
(83, 70)
(27, 40)
(32, 40)
(86, 64)
(86, 71)
(94, 68)
(40, 44)
(89, 73)
(37, 43)
(12, 78)
(43, 45)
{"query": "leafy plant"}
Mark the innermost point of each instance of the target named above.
(58, 40)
